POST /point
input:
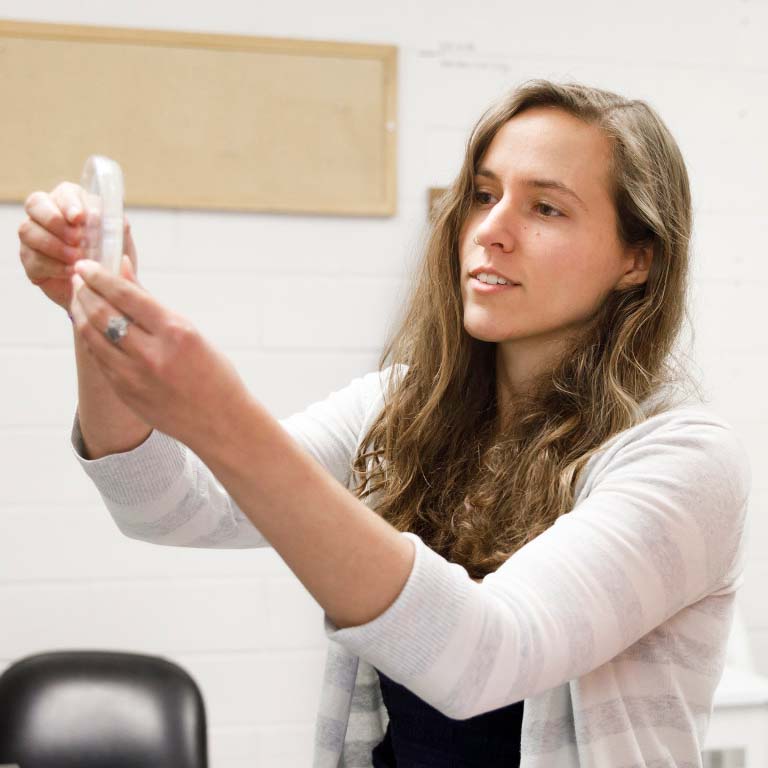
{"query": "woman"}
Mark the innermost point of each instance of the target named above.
(551, 532)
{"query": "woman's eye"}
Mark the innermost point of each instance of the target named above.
(548, 211)
(547, 207)
(482, 197)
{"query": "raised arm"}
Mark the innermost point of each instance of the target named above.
(163, 493)
(659, 526)
(49, 247)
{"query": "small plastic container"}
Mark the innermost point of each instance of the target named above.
(104, 191)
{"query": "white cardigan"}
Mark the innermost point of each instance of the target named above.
(612, 624)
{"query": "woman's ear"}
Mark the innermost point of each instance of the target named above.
(639, 259)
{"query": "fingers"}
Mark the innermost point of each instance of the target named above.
(129, 248)
(49, 244)
(128, 298)
(45, 239)
(112, 359)
(91, 314)
(45, 210)
(40, 268)
(70, 199)
(127, 271)
(36, 237)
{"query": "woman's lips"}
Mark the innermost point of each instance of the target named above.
(482, 287)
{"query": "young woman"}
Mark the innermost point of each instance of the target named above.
(526, 535)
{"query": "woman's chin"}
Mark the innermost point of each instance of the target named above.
(485, 333)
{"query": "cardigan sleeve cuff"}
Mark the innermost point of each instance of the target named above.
(407, 639)
(142, 474)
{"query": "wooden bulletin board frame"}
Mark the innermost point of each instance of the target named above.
(201, 121)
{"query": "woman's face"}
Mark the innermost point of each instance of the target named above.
(561, 246)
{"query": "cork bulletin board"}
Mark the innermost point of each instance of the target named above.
(201, 121)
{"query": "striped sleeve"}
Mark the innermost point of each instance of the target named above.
(161, 492)
(661, 528)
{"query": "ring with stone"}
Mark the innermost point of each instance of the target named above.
(117, 328)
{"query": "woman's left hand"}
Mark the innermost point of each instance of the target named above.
(163, 369)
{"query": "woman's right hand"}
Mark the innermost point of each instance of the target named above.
(50, 240)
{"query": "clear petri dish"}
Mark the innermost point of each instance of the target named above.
(102, 181)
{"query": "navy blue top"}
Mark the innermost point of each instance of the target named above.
(418, 736)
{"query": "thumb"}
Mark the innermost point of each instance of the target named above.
(126, 270)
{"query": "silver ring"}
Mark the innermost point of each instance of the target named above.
(117, 328)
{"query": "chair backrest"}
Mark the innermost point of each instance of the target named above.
(101, 709)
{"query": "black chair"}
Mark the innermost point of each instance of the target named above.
(101, 709)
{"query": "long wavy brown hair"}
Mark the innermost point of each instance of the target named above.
(439, 460)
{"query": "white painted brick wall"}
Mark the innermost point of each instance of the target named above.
(302, 303)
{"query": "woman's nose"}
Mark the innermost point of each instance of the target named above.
(497, 229)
